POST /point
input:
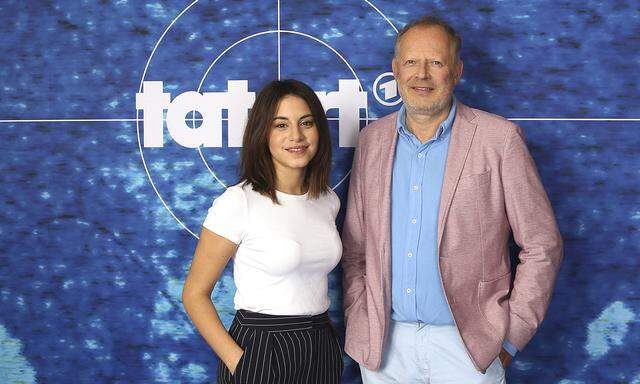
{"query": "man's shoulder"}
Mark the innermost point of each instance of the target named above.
(485, 119)
(492, 130)
(379, 128)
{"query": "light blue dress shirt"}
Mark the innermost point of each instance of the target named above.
(418, 173)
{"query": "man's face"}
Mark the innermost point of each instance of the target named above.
(426, 70)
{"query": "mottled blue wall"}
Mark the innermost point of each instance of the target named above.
(92, 261)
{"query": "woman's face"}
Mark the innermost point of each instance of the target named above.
(293, 138)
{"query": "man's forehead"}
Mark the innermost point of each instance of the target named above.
(432, 33)
(424, 37)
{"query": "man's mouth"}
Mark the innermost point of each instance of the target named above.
(423, 89)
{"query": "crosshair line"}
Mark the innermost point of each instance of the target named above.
(279, 50)
(101, 120)
(569, 119)
(67, 120)
(114, 120)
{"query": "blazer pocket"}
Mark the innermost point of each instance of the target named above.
(474, 180)
(493, 303)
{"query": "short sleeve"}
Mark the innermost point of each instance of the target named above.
(335, 203)
(227, 216)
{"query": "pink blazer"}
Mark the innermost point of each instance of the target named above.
(491, 188)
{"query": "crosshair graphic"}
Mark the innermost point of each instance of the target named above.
(278, 32)
(195, 119)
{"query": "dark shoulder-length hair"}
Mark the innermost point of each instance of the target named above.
(256, 164)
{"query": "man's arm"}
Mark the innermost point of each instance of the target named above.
(536, 232)
(353, 264)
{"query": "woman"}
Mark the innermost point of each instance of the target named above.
(278, 224)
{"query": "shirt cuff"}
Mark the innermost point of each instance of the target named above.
(509, 348)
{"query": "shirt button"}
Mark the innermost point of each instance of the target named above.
(409, 254)
(413, 221)
(415, 188)
(420, 155)
(408, 290)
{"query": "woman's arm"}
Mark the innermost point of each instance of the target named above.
(211, 256)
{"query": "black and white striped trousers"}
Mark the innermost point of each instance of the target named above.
(284, 349)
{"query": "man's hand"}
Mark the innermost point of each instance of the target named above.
(505, 358)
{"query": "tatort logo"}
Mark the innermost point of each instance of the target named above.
(349, 99)
(203, 74)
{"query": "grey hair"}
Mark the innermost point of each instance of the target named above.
(431, 21)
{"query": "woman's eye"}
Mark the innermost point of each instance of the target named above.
(281, 125)
(307, 123)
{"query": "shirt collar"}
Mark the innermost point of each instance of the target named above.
(444, 126)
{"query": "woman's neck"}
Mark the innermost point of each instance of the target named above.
(291, 182)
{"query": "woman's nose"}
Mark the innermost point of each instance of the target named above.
(295, 134)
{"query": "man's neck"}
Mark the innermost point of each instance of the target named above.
(425, 126)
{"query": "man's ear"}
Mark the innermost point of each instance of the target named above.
(394, 66)
(459, 69)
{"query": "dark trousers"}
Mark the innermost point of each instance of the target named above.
(284, 349)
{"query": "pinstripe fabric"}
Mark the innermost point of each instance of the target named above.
(283, 350)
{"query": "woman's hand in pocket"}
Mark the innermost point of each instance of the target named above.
(234, 366)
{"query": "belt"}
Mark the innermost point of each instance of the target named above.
(281, 323)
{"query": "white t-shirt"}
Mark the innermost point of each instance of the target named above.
(285, 252)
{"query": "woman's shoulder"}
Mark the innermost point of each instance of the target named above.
(239, 188)
(333, 196)
(234, 195)
(331, 199)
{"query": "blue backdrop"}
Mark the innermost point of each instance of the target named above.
(98, 227)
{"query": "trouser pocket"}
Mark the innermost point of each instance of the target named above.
(245, 338)
(284, 349)
(253, 367)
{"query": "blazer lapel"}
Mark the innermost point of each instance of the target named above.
(462, 134)
(387, 147)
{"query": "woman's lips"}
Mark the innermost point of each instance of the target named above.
(296, 149)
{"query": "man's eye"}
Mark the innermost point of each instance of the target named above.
(410, 62)
(437, 63)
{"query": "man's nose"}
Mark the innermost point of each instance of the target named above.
(423, 71)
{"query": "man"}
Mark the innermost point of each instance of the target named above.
(436, 190)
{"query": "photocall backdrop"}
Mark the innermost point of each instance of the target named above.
(121, 121)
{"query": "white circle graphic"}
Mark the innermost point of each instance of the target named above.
(353, 72)
(144, 73)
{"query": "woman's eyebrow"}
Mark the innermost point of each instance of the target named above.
(305, 116)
